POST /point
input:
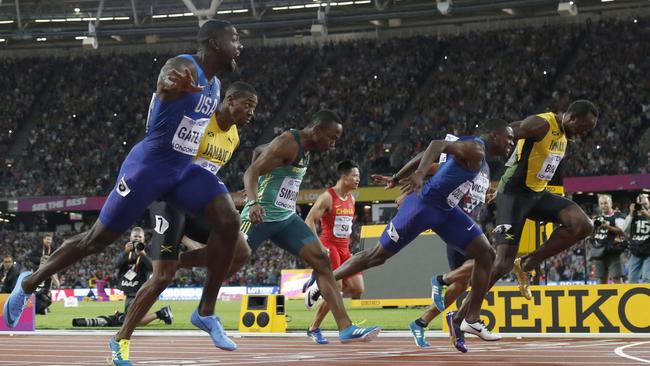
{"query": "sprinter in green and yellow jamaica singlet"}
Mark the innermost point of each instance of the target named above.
(272, 183)
(522, 194)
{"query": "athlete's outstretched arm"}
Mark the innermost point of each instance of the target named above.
(408, 168)
(281, 151)
(177, 77)
(530, 127)
(323, 205)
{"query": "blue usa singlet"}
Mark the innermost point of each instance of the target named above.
(160, 166)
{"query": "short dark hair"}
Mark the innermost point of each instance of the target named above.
(492, 125)
(581, 108)
(239, 89)
(346, 166)
(211, 29)
(325, 118)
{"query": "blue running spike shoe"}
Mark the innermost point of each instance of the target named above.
(119, 352)
(16, 302)
(212, 325)
(354, 333)
(317, 336)
(418, 335)
(309, 282)
(437, 293)
(456, 335)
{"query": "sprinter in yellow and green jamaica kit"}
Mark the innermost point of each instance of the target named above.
(522, 194)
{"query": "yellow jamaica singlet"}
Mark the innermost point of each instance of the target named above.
(536, 161)
(217, 146)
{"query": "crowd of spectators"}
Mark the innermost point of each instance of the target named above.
(497, 74)
(94, 112)
(369, 83)
(611, 70)
(22, 80)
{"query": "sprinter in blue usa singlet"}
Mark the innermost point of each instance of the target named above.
(160, 167)
(433, 204)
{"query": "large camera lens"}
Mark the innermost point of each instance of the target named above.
(139, 246)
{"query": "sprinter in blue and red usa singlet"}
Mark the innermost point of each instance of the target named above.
(433, 204)
(160, 167)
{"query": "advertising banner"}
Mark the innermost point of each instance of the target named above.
(61, 203)
(567, 309)
(26, 323)
(291, 281)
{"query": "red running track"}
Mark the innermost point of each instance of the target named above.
(54, 350)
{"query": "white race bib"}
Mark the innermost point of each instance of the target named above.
(208, 165)
(288, 193)
(187, 137)
(549, 167)
(343, 226)
(480, 186)
(458, 193)
(443, 156)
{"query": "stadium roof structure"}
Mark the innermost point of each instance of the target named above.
(62, 23)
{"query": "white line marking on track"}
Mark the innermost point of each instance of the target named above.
(619, 352)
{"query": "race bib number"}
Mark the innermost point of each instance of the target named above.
(480, 186)
(458, 193)
(343, 226)
(288, 194)
(443, 156)
(549, 167)
(208, 165)
(187, 137)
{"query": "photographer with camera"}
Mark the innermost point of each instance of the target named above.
(134, 268)
(608, 241)
(638, 223)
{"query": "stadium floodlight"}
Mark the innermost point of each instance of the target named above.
(567, 8)
(444, 6)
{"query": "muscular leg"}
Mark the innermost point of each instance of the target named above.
(224, 220)
(315, 255)
(73, 249)
(459, 281)
(199, 257)
(575, 227)
(322, 311)
(361, 261)
(506, 254)
(353, 286)
(163, 274)
(148, 318)
(483, 254)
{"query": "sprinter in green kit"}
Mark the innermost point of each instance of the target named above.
(272, 183)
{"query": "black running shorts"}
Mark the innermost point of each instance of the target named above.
(514, 208)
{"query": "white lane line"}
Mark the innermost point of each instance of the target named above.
(619, 352)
